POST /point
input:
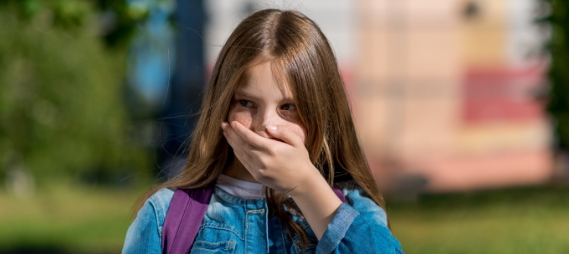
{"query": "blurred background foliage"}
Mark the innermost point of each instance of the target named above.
(62, 70)
(557, 22)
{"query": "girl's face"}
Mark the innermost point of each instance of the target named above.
(259, 102)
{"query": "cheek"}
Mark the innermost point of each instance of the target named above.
(298, 129)
(243, 118)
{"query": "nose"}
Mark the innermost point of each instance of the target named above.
(263, 118)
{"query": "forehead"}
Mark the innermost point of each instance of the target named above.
(265, 78)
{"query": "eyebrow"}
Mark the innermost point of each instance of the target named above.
(241, 93)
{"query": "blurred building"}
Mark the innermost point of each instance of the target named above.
(443, 92)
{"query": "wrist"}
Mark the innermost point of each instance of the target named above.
(317, 201)
(309, 183)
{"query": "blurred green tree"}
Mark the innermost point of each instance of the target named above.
(557, 21)
(61, 77)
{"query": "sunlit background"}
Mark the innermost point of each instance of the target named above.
(461, 106)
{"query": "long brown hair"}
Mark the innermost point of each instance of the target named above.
(302, 56)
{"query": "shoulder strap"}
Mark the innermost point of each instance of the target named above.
(339, 194)
(184, 218)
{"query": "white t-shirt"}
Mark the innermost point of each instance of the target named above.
(240, 188)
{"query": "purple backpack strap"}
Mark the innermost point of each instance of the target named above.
(183, 219)
(339, 194)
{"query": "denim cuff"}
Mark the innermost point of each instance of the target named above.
(337, 228)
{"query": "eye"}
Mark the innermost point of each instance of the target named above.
(288, 107)
(246, 103)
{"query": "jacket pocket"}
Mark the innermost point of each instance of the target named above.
(217, 247)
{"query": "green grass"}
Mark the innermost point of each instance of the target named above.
(531, 220)
(67, 218)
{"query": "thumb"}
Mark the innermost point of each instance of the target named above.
(286, 135)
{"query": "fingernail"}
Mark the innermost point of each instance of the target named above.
(233, 124)
(272, 127)
(223, 125)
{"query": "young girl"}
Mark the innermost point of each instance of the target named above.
(274, 137)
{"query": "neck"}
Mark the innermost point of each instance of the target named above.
(238, 171)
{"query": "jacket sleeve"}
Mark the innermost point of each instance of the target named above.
(145, 233)
(359, 226)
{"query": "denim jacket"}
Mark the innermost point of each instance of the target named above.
(235, 225)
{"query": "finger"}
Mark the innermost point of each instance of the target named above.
(236, 139)
(232, 139)
(243, 151)
(286, 135)
(242, 154)
(249, 136)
